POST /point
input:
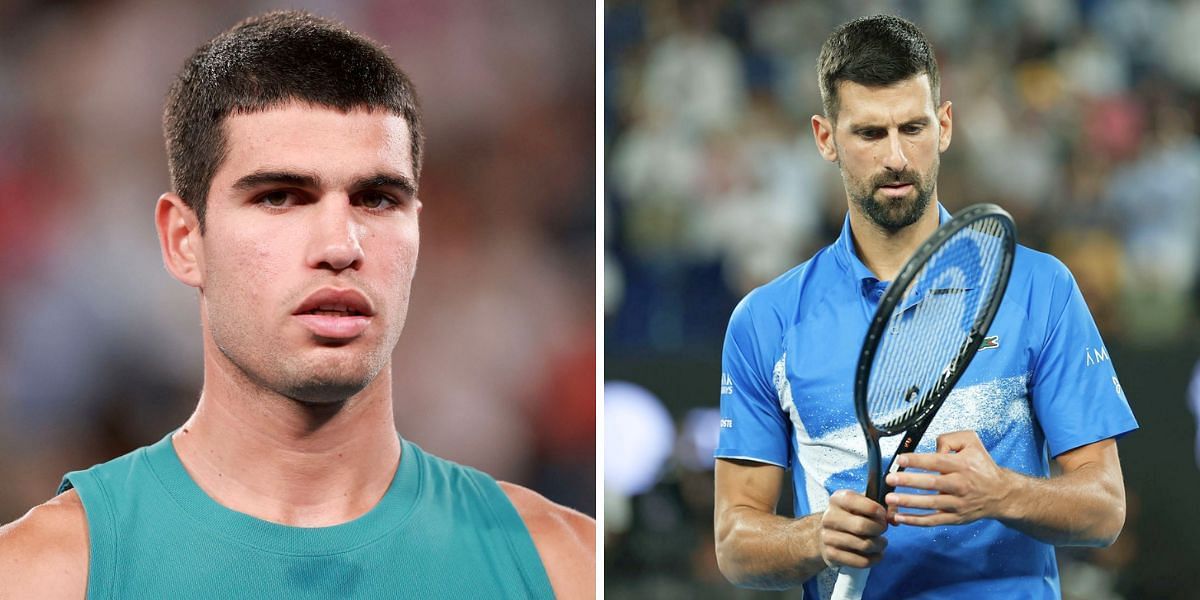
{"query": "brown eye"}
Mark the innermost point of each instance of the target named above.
(376, 200)
(278, 198)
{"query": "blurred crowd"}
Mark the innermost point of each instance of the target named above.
(100, 348)
(1081, 117)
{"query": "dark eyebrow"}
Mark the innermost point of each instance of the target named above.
(260, 178)
(859, 127)
(306, 180)
(385, 180)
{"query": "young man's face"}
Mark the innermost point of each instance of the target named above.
(887, 142)
(310, 246)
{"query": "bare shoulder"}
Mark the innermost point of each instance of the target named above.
(565, 540)
(44, 554)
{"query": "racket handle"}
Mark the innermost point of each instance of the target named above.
(850, 583)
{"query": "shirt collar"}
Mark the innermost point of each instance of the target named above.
(848, 256)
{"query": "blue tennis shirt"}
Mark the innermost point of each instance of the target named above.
(1042, 384)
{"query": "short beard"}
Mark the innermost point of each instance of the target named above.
(902, 214)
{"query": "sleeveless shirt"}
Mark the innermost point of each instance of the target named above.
(441, 530)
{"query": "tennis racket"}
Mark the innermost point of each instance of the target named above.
(929, 325)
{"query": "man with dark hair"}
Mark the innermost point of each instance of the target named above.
(977, 514)
(295, 149)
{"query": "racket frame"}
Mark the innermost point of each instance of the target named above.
(935, 396)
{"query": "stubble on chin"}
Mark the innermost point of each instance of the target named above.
(328, 383)
(301, 374)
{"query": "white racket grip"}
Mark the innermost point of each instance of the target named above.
(850, 583)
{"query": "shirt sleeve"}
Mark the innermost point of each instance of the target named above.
(1077, 397)
(753, 426)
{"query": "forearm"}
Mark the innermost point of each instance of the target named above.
(1085, 507)
(766, 551)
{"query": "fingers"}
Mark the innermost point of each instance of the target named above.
(923, 481)
(942, 463)
(842, 549)
(857, 504)
(855, 514)
(949, 445)
(948, 510)
(930, 520)
(851, 530)
(948, 484)
(892, 511)
(924, 501)
(956, 441)
(967, 483)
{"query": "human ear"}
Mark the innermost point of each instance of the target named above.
(179, 239)
(823, 134)
(946, 122)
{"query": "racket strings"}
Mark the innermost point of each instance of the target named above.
(933, 321)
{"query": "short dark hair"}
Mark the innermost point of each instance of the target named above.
(265, 62)
(874, 51)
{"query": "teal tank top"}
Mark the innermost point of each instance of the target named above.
(441, 530)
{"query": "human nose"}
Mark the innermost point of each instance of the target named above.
(335, 236)
(895, 161)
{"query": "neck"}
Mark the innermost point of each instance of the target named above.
(271, 457)
(885, 252)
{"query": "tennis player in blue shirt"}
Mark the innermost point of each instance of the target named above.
(978, 513)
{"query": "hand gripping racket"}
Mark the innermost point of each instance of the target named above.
(929, 325)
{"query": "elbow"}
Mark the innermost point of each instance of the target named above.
(1111, 521)
(738, 576)
(1088, 505)
(739, 571)
(733, 571)
(727, 561)
(727, 566)
(1113, 524)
